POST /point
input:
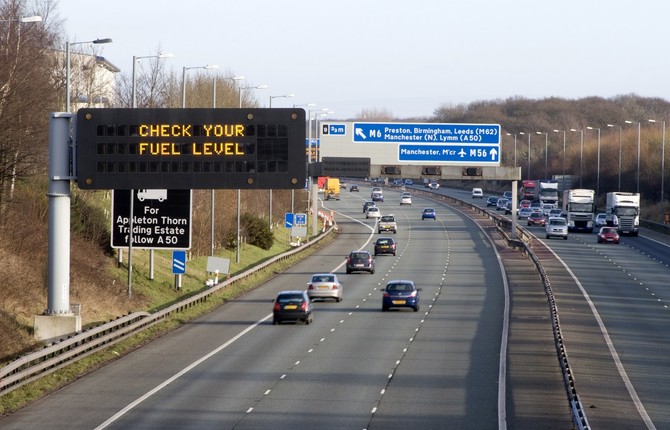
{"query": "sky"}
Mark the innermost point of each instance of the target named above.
(407, 58)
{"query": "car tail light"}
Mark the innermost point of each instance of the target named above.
(310, 287)
(370, 260)
(303, 306)
(334, 287)
(277, 306)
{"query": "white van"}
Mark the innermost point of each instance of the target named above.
(477, 193)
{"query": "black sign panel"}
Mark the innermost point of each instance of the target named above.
(350, 167)
(190, 148)
(161, 219)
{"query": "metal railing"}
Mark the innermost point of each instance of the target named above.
(67, 351)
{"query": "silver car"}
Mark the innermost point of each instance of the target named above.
(324, 286)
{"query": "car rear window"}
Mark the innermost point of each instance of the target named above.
(399, 287)
(323, 278)
(387, 218)
(360, 255)
(384, 241)
(290, 298)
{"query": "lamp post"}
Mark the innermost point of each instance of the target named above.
(239, 194)
(24, 19)
(638, 151)
(67, 64)
(528, 168)
(619, 186)
(598, 163)
(546, 151)
(662, 165)
(136, 60)
(581, 153)
(559, 131)
(282, 96)
(183, 80)
(510, 134)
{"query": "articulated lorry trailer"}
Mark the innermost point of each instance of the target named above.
(578, 209)
(623, 212)
(547, 192)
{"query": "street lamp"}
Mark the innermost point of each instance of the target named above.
(24, 19)
(136, 60)
(183, 80)
(252, 87)
(546, 151)
(581, 153)
(638, 151)
(510, 134)
(528, 170)
(558, 131)
(612, 125)
(67, 64)
(305, 105)
(662, 164)
(598, 164)
(282, 96)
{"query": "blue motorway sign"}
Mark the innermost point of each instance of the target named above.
(334, 129)
(288, 220)
(178, 262)
(479, 154)
(475, 134)
(300, 219)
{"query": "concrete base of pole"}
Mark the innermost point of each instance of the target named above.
(53, 326)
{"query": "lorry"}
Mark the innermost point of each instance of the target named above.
(332, 190)
(527, 191)
(623, 212)
(321, 182)
(579, 209)
(547, 192)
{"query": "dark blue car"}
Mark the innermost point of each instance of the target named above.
(429, 213)
(400, 294)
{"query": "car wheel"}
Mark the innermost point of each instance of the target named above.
(275, 321)
(565, 237)
(372, 272)
(338, 299)
(548, 236)
(348, 271)
(308, 320)
(416, 308)
(384, 309)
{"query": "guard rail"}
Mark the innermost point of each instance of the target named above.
(66, 351)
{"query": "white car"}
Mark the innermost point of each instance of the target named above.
(433, 185)
(477, 193)
(324, 286)
(524, 213)
(406, 199)
(373, 212)
(601, 220)
(556, 226)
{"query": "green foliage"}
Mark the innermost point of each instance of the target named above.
(257, 231)
(89, 220)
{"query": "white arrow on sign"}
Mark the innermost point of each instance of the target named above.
(360, 133)
(493, 153)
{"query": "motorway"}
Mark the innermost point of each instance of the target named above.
(613, 306)
(358, 368)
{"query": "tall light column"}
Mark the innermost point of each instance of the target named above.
(136, 61)
(581, 153)
(546, 151)
(239, 194)
(67, 65)
(598, 163)
(183, 80)
(638, 151)
(619, 186)
(510, 134)
(282, 96)
(662, 200)
(528, 167)
(559, 131)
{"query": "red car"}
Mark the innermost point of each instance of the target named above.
(536, 218)
(608, 234)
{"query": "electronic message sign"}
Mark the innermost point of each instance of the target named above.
(190, 148)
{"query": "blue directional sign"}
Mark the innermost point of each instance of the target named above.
(288, 220)
(334, 129)
(479, 154)
(178, 262)
(300, 219)
(474, 134)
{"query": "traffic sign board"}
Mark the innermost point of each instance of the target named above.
(334, 129)
(161, 219)
(426, 133)
(478, 154)
(178, 262)
(300, 219)
(288, 220)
